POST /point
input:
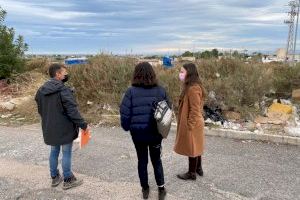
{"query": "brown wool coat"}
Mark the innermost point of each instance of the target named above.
(190, 127)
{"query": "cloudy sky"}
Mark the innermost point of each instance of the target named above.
(149, 26)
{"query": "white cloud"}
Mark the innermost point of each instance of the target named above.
(30, 33)
(157, 25)
(54, 4)
(31, 10)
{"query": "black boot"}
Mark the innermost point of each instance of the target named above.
(187, 176)
(145, 192)
(162, 193)
(199, 169)
(191, 174)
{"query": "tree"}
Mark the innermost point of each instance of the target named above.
(209, 54)
(187, 54)
(215, 53)
(257, 57)
(236, 54)
(206, 54)
(12, 50)
(2, 15)
(197, 54)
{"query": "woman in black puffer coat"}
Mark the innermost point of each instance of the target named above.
(137, 116)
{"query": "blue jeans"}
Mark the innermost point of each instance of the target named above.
(66, 160)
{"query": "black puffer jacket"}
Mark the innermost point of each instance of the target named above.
(57, 107)
(137, 112)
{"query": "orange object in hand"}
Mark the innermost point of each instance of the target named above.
(85, 137)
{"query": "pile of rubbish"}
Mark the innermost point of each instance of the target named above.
(282, 116)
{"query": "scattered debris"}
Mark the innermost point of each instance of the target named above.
(232, 125)
(89, 103)
(6, 116)
(278, 113)
(7, 106)
(21, 100)
(282, 101)
(107, 107)
(12, 103)
(231, 115)
(215, 114)
(209, 121)
(280, 108)
(246, 141)
(293, 131)
(3, 86)
(293, 126)
(296, 95)
(273, 118)
(125, 156)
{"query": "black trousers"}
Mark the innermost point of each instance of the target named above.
(155, 155)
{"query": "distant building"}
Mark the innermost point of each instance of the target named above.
(153, 62)
(281, 53)
(76, 61)
(280, 56)
(269, 59)
(191, 59)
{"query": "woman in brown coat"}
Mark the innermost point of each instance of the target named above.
(190, 128)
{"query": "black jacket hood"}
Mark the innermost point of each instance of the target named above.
(52, 86)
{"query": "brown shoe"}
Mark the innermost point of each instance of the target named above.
(72, 182)
(187, 176)
(56, 180)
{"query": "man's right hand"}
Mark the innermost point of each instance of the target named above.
(87, 129)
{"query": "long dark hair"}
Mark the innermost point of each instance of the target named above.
(144, 75)
(192, 78)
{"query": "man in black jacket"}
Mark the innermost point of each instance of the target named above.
(61, 121)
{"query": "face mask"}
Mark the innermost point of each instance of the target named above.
(181, 76)
(66, 78)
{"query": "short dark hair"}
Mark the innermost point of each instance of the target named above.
(144, 75)
(54, 68)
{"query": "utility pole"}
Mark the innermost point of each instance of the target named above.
(296, 32)
(292, 36)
